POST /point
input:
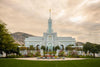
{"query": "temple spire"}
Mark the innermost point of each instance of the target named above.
(50, 23)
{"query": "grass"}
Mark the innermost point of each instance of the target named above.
(71, 63)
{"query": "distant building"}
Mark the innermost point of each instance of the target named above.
(49, 39)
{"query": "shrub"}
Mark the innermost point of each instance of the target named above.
(56, 56)
(15, 56)
(29, 55)
(81, 56)
(23, 48)
(37, 53)
(74, 54)
(61, 53)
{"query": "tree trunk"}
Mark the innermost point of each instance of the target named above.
(93, 55)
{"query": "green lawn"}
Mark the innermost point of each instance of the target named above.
(27, 63)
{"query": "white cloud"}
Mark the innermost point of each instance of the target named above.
(31, 16)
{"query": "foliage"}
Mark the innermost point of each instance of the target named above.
(15, 56)
(98, 47)
(56, 57)
(57, 47)
(78, 48)
(79, 56)
(50, 53)
(37, 54)
(62, 47)
(6, 41)
(61, 53)
(93, 48)
(87, 47)
(74, 54)
(70, 45)
(29, 55)
(54, 52)
(37, 47)
(43, 47)
(23, 48)
(87, 56)
(31, 47)
(69, 48)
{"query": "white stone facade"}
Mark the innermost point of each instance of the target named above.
(49, 39)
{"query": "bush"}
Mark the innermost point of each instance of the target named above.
(15, 56)
(75, 54)
(50, 53)
(37, 54)
(29, 55)
(56, 56)
(61, 54)
(81, 56)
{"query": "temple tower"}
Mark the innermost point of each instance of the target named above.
(50, 23)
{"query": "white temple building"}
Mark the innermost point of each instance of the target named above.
(49, 39)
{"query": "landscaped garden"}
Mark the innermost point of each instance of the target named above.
(72, 63)
(10, 49)
(71, 52)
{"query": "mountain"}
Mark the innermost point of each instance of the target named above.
(79, 43)
(19, 37)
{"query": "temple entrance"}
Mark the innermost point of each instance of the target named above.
(50, 47)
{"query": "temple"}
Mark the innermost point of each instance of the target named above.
(49, 39)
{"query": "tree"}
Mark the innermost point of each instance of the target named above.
(57, 47)
(43, 47)
(6, 41)
(94, 49)
(53, 48)
(61, 53)
(47, 49)
(87, 47)
(78, 48)
(98, 47)
(37, 47)
(62, 47)
(23, 48)
(15, 49)
(69, 47)
(31, 47)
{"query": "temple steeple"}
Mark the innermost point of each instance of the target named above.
(50, 23)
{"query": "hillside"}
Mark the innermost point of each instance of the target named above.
(19, 37)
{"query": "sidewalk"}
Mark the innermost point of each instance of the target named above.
(50, 59)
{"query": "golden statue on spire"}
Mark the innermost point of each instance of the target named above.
(50, 13)
(50, 10)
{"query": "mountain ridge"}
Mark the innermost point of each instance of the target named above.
(19, 37)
